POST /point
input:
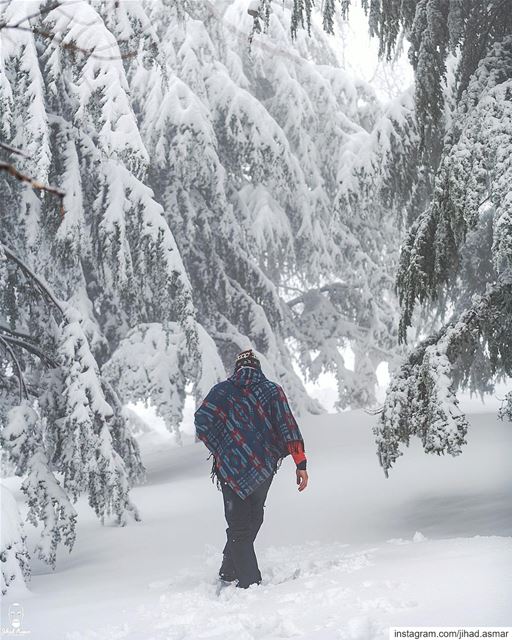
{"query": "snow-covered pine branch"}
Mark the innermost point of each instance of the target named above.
(459, 244)
(458, 252)
(47, 501)
(74, 442)
(85, 451)
(14, 556)
(422, 401)
(474, 177)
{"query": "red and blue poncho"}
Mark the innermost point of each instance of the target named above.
(247, 424)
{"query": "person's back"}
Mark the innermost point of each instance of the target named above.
(247, 424)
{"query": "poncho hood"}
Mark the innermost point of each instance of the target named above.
(247, 377)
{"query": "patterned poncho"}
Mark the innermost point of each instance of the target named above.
(246, 422)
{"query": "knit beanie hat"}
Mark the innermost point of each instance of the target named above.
(247, 359)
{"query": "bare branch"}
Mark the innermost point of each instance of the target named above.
(37, 14)
(7, 384)
(70, 45)
(21, 379)
(35, 184)
(31, 348)
(10, 149)
(92, 52)
(43, 288)
(16, 332)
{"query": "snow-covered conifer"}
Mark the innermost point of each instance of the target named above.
(14, 559)
(47, 501)
(458, 253)
(247, 149)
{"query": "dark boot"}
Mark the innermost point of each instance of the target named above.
(241, 585)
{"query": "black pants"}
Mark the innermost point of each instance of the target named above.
(244, 518)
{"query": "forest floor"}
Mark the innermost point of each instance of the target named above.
(352, 555)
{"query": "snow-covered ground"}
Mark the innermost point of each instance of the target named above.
(352, 555)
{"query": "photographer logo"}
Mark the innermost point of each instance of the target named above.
(15, 621)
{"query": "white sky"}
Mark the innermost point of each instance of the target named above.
(358, 52)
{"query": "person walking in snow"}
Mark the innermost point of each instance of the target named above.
(247, 425)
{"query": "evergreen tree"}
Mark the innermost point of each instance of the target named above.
(61, 422)
(459, 252)
(259, 135)
(457, 256)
